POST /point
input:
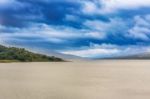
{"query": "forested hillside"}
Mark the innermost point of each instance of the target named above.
(22, 55)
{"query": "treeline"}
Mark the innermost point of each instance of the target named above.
(22, 55)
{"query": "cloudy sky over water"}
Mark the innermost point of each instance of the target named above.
(87, 28)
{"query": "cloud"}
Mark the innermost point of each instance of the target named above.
(107, 50)
(22, 12)
(94, 51)
(71, 18)
(43, 32)
(96, 35)
(13, 4)
(4, 2)
(104, 29)
(141, 29)
(111, 6)
(89, 7)
(70, 26)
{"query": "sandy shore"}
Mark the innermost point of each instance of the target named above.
(113, 79)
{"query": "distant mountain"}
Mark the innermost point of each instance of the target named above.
(138, 56)
(22, 55)
(143, 56)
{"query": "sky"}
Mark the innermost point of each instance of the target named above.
(86, 28)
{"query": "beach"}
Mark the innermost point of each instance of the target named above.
(103, 79)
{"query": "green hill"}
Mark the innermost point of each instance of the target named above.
(13, 54)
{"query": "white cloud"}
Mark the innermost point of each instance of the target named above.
(140, 33)
(142, 21)
(13, 4)
(55, 34)
(141, 29)
(4, 2)
(42, 31)
(96, 35)
(107, 50)
(110, 6)
(95, 52)
(103, 29)
(89, 7)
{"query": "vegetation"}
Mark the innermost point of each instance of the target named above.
(12, 54)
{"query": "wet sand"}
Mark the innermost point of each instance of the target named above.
(106, 79)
